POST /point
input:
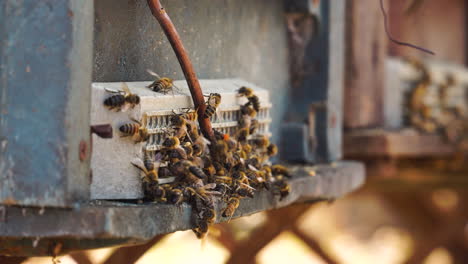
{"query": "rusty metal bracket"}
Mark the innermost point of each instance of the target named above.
(317, 73)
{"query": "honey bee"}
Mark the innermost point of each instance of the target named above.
(171, 146)
(219, 151)
(204, 192)
(154, 191)
(244, 191)
(175, 195)
(180, 124)
(280, 170)
(214, 100)
(134, 129)
(231, 207)
(242, 135)
(283, 187)
(149, 167)
(182, 169)
(248, 111)
(253, 99)
(121, 99)
(253, 126)
(254, 161)
(197, 171)
(262, 142)
(161, 85)
(187, 146)
(272, 150)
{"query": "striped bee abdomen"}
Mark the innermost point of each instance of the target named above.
(210, 110)
(115, 100)
(129, 129)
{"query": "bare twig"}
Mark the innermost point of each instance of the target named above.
(397, 41)
(198, 100)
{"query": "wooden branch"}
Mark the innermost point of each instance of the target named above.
(126, 255)
(171, 33)
(81, 257)
(278, 221)
(313, 245)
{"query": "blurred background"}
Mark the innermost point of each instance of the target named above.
(413, 207)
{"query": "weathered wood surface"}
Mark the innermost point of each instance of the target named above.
(403, 143)
(436, 25)
(105, 223)
(365, 65)
(45, 75)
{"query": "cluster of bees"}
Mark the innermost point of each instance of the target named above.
(224, 171)
(448, 120)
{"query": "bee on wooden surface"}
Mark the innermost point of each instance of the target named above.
(213, 102)
(283, 187)
(121, 99)
(154, 191)
(205, 192)
(162, 85)
(280, 170)
(134, 130)
(231, 207)
(244, 191)
(175, 195)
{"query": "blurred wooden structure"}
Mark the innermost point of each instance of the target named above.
(404, 166)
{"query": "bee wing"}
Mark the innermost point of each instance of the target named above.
(167, 180)
(137, 162)
(153, 73)
(109, 90)
(125, 88)
(209, 186)
(252, 168)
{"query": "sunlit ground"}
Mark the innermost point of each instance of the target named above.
(356, 230)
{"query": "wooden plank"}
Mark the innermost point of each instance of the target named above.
(104, 223)
(404, 143)
(365, 65)
(437, 25)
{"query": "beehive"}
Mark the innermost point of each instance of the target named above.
(113, 175)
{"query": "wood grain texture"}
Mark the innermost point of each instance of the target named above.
(365, 65)
(404, 143)
(435, 25)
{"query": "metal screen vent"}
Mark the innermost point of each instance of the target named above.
(113, 175)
